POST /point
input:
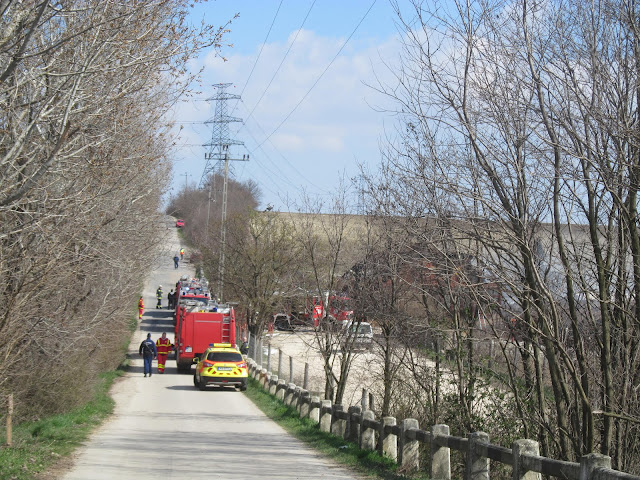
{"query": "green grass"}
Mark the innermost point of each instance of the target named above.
(38, 445)
(347, 453)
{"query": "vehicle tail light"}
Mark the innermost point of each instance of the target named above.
(242, 365)
(208, 363)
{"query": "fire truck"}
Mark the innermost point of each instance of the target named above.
(198, 327)
(199, 321)
(339, 310)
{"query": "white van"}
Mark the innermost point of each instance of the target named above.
(358, 335)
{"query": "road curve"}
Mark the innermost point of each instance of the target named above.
(164, 428)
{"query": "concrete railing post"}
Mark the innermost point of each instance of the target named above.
(295, 400)
(325, 416)
(263, 377)
(408, 449)
(314, 410)
(273, 384)
(281, 389)
(305, 400)
(388, 441)
(588, 463)
(477, 467)
(338, 425)
(353, 424)
(289, 393)
(524, 447)
(440, 456)
(267, 381)
(367, 434)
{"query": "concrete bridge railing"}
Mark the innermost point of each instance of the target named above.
(400, 441)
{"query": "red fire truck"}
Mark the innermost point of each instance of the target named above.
(198, 326)
(339, 310)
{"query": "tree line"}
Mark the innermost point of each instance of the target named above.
(85, 150)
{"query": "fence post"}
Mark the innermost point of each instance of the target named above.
(524, 447)
(588, 463)
(290, 369)
(269, 356)
(325, 416)
(314, 411)
(440, 456)
(279, 362)
(305, 399)
(408, 454)
(388, 441)
(367, 434)
(295, 401)
(477, 465)
(10, 421)
(364, 401)
(289, 393)
(338, 425)
(260, 352)
(305, 383)
(273, 384)
(281, 389)
(353, 425)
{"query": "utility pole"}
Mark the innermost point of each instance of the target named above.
(186, 181)
(217, 156)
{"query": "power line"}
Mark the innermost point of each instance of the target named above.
(321, 75)
(260, 52)
(283, 59)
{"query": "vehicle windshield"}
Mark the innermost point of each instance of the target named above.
(224, 357)
(361, 329)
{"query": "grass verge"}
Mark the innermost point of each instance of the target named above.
(39, 445)
(346, 453)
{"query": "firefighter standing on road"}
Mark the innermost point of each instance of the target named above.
(182, 254)
(159, 296)
(140, 307)
(163, 346)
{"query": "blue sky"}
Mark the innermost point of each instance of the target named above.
(306, 129)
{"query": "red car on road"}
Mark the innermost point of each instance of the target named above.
(179, 223)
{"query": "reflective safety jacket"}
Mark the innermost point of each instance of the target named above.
(163, 346)
(159, 293)
(140, 304)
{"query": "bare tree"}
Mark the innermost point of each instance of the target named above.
(519, 125)
(83, 161)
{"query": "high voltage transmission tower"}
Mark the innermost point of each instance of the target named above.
(216, 157)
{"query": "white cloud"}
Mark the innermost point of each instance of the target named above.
(334, 124)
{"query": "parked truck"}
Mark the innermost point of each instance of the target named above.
(199, 326)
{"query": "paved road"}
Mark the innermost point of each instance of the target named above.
(164, 428)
